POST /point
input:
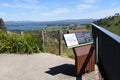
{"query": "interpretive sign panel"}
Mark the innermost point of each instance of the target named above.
(78, 39)
(71, 40)
(84, 37)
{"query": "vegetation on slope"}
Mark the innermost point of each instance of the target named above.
(51, 39)
(111, 23)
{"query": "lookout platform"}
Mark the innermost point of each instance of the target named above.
(43, 66)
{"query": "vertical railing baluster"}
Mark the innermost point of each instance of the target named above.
(97, 47)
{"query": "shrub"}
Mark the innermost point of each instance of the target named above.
(15, 43)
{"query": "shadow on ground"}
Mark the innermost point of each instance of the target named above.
(66, 69)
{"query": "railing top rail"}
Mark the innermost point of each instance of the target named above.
(110, 34)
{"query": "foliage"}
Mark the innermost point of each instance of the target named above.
(67, 52)
(31, 41)
(15, 43)
(111, 23)
(51, 40)
(69, 27)
(2, 25)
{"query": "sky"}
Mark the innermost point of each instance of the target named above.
(51, 10)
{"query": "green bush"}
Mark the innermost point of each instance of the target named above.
(15, 43)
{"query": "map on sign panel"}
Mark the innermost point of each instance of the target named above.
(78, 39)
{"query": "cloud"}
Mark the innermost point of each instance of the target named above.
(89, 1)
(83, 1)
(83, 6)
(56, 12)
(2, 13)
(115, 3)
(24, 6)
(30, 1)
(103, 13)
(4, 5)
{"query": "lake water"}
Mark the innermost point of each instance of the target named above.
(24, 27)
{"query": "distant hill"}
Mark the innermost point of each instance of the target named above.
(112, 23)
(48, 23)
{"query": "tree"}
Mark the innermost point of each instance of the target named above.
(2, 25)
(117, 14)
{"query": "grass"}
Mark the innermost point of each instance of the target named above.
(31, 42)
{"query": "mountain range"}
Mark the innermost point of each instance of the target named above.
(48, 23)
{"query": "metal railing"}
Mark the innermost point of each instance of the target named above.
(107, 52)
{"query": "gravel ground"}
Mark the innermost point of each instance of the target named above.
(43, 66)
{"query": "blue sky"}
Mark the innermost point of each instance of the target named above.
(50, 10)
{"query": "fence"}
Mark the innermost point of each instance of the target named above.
(108, 52)
(51, 41)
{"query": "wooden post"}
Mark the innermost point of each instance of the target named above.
(21, 32)
(60, 42)
(43, 38)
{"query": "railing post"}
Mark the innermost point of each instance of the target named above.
(97, 49)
